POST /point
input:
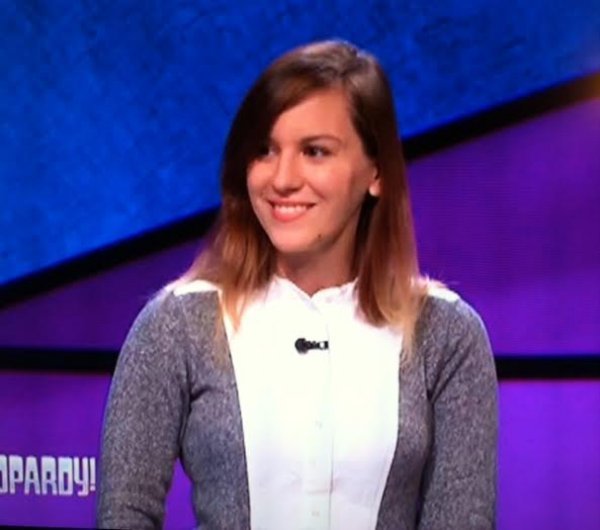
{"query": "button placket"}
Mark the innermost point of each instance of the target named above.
(318, 460)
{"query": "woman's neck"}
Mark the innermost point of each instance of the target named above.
(311, 277)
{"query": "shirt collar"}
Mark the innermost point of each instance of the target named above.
(336, 293)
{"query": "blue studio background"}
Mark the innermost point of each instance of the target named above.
(113, 113)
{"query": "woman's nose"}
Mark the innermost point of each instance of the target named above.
(286, 174)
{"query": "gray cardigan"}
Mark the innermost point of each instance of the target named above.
(174, 395)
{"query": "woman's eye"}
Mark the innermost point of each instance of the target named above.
(264, 151)
(316, 151)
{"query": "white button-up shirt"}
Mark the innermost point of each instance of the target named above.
(320, 428)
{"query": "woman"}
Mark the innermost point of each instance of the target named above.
(303, 370)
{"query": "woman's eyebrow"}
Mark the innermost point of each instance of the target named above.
(317, 137)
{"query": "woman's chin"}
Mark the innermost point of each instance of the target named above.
(289, 253)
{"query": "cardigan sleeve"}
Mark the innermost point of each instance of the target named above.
(459, 483)
(144, 417)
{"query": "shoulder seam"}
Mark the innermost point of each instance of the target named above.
(195, 286)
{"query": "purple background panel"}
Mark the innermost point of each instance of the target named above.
(50, 415)
(549, 456)
(511, 221)
(549, 463)
(95, 312)
(60, 415)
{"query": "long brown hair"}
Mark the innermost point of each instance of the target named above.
(240, 259)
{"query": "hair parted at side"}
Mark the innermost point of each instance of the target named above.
(240, 259)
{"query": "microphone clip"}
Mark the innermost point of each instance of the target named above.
(302, 345)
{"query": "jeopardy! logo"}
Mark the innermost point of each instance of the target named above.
(47, 475)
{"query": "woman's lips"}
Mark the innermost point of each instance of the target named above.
(289, 211)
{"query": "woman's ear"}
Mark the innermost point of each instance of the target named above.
(375, 186)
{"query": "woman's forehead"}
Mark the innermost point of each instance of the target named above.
(322, 113)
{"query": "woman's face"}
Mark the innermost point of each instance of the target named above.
(308, 184)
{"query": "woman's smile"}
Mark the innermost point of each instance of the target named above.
(286, 212)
